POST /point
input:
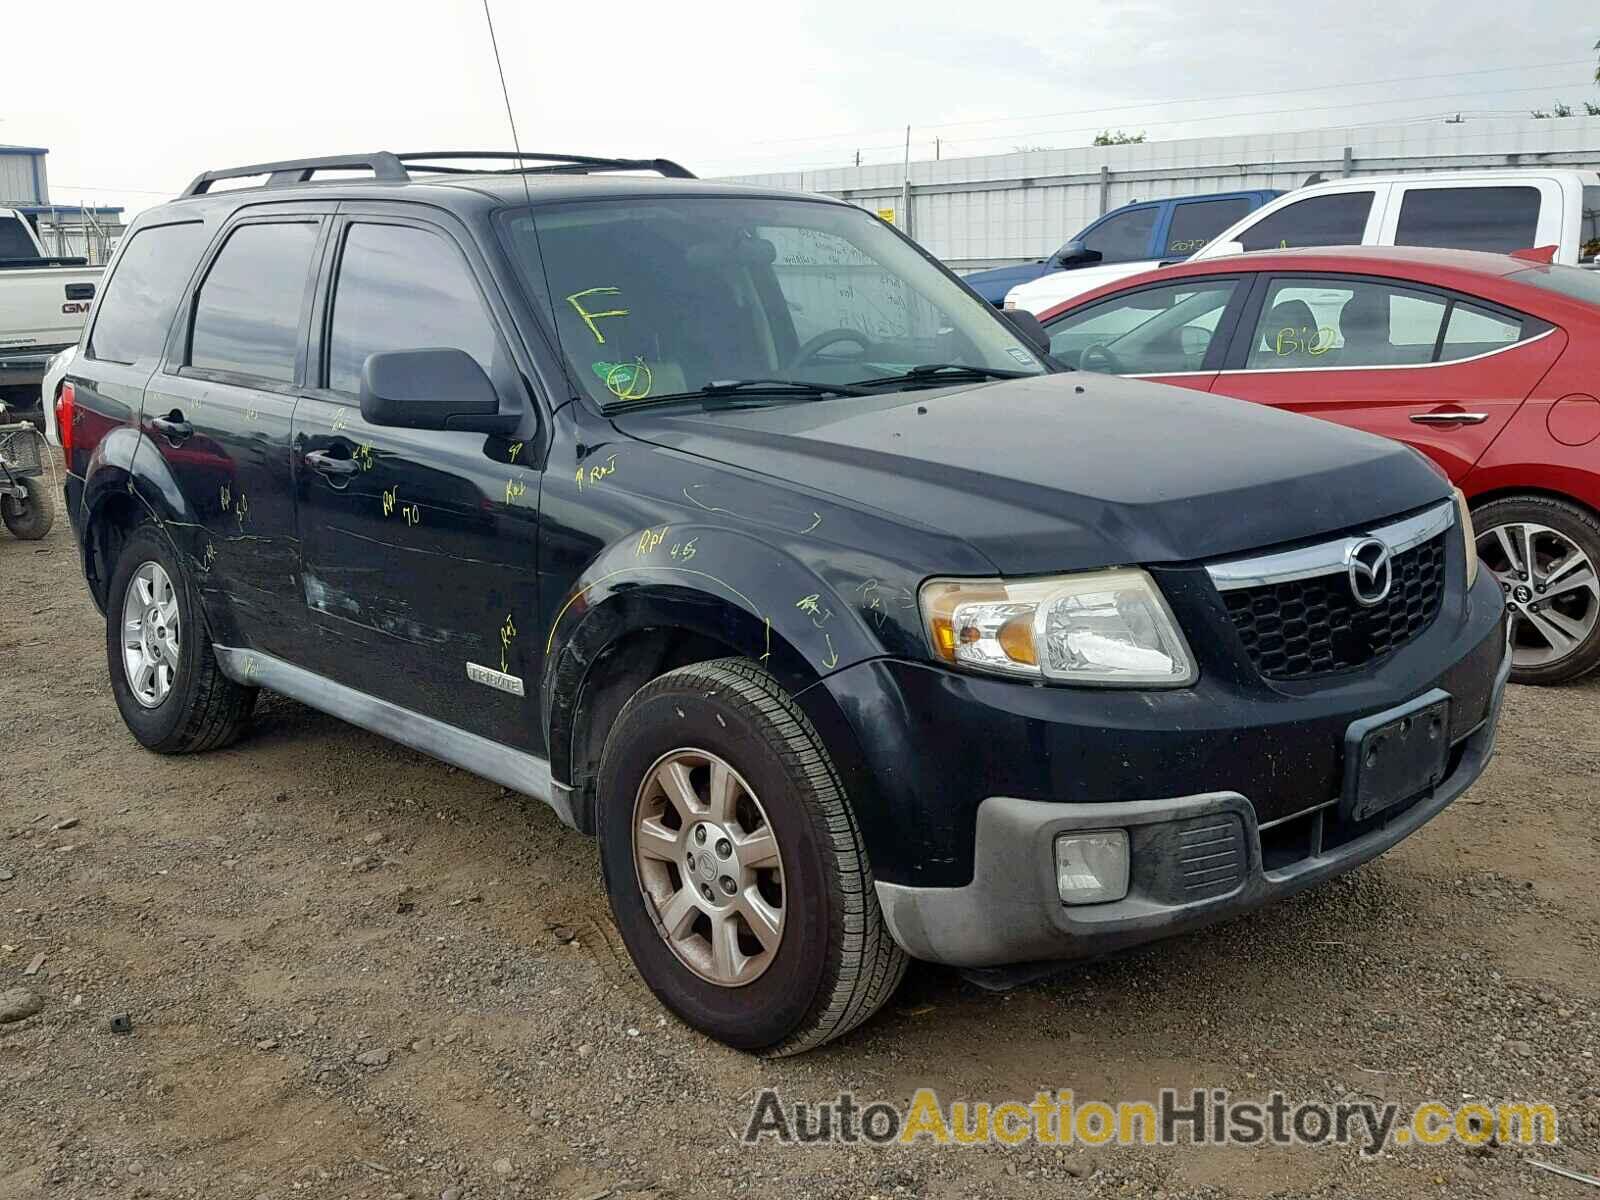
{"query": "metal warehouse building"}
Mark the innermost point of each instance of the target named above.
(65, 229)
(1007, 208)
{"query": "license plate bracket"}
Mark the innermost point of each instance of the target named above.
(1396, 755)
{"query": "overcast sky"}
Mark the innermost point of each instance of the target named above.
(133, 99)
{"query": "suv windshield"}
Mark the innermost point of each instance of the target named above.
(660, 297)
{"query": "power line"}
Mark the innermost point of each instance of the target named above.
(79, 187)
(1189, 100)
(1192, 120)
(1276, 112)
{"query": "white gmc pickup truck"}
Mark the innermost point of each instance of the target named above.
(43, 304)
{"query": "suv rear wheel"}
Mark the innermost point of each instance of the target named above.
(1544, 552)
(172, 695)
(734, 867)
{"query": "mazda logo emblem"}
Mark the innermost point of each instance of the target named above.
(1369, 563)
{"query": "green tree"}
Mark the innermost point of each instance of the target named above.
(1565, 110)
(1106, 138)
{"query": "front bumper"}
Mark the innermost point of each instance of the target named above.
(1011, 912)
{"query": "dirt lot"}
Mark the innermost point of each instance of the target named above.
(349, 974)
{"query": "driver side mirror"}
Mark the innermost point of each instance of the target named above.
(431, 389)
(1076, 254)
(1025, 323)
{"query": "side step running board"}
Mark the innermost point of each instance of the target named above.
(515, 769)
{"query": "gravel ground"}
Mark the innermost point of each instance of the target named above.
(352, 971)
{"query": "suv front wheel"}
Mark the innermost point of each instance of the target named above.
(172, 695)
(734, 867)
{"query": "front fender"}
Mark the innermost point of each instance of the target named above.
(724, 584)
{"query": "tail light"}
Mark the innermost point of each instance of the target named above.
(66, 410)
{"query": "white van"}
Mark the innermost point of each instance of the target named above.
(1495, 210)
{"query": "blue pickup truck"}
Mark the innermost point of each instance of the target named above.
(1148, 230)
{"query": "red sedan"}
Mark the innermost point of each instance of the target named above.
(1488, 364)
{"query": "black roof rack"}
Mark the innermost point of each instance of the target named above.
(387, 167)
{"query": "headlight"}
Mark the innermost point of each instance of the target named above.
(1098, 627)
(1468, 533)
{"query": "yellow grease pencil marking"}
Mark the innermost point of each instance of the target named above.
(589, 318)
(573, 599)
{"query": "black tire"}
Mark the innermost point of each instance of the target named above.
(836, 964)
(204, 709)
(1580, 527)
(31, 517)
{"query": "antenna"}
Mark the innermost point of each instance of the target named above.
(506, 92)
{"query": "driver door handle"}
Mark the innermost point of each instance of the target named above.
(1449, 418)
(326, 464)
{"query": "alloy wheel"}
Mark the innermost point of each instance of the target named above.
(707, 861)
(1550, 587)
(150, 633)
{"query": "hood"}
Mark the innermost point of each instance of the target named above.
(1071, 471)
(994, 283)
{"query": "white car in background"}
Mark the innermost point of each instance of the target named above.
(54, 372)
(1494, 210)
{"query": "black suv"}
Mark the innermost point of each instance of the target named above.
(733, 526)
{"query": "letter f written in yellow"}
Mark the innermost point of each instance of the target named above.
(589, 318)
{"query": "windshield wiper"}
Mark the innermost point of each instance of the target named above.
(731, 389)
(935, 372)
(809, 387)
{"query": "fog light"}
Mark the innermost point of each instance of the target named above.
(1092, 868)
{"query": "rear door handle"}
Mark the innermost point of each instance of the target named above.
(1449, 418)
(173, 427)
(326, 464)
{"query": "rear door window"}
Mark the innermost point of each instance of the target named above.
(1473, 331)
(138, 302)
(1345, 324)
(1339, 219)
(1349, 324)
(1124, 237)
(14, 239)
(1496, 219)
(405, 288)
(1196, 222)
(247, 316)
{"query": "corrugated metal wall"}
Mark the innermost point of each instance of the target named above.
(21, 180)
(975, 212)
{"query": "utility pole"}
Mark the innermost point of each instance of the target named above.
(905, 189)
(937, 142)
(858, 158)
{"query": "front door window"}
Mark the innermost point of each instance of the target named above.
(1153, 331)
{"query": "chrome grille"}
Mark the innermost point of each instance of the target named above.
(1297, 615)
(1315, 627)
